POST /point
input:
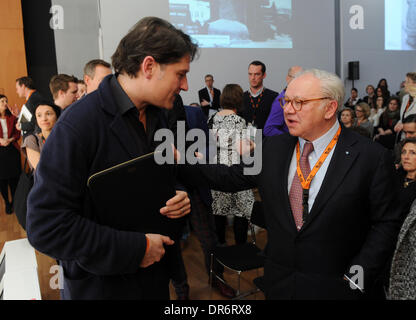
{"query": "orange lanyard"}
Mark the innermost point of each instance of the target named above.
(31, 92)
(307, 183)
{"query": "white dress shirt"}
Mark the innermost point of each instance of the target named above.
(319, 146)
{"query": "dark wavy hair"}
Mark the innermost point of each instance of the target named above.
(54, 107)
(8, 113)
(154, 37)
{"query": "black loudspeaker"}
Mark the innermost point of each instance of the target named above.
(354, 70)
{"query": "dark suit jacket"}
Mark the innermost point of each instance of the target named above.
(99, 262)
(204, 95)
(29, 127)
(197, 120)
(353, 220)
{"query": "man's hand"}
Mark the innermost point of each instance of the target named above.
(398, 127)
(155, 250)
(244, 146)
(205, 103)
(178, 206)
(14, 110)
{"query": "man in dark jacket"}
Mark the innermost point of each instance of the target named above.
(27, 119)
(109, 126)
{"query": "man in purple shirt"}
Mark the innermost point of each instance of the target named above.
(275, 123)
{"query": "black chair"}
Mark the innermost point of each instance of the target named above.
(242, 257)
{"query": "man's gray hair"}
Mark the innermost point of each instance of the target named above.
(331, 84)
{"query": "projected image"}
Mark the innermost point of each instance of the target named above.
(400, 27)
(234, 23)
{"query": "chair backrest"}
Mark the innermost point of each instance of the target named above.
(257, 215)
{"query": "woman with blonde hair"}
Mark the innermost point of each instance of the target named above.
(362, 112)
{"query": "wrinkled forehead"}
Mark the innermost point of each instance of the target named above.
(304, 86)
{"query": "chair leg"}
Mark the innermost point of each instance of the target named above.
(211, 271)
(239, 282)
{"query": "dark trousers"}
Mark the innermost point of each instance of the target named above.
(202, 223)
(4, 188)
(240, 228)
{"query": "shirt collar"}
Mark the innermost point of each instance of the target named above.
(123, 101)
(258, 92)
(320, 144)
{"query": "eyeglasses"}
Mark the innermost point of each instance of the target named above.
(358, 110)
(298, 103)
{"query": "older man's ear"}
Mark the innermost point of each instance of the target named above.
(331, 109)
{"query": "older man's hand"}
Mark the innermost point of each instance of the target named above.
(178, 206)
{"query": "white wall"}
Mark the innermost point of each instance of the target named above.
(313, 44)
(77, 42)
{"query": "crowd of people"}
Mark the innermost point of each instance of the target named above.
(337, 181)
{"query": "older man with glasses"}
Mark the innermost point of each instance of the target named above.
(327, 196)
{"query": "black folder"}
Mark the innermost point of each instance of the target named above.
(128, 196)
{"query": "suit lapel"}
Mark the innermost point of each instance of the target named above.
(284, 184)
(341, 162)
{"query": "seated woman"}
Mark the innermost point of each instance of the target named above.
(376, 112)
(407, 174)
(385, 87)
(46, 116)
(385, 131)
(347, 117)
(403, 268)
(227, 124)
(362, 112)
(10, 166)
(370, 97)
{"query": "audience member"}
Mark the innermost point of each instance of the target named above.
(388, 119)
(257, 99)
(353, 99)
(94, 72)
(46, 116)
(275, 123)
(313, 249)
(362, 113)
(370, 97)
(385, 88)
(209, 97)
(82, 89)
(408, 106)
(409, 131)
(25, 89)
(407, 174)
(347, 117)
(227, 124)
(64, 90)
(376, 112)
(109, 126)
(10, 165)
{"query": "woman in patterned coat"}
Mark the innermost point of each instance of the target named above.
(227, 126)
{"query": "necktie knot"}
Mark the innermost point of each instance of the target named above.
(307, 149)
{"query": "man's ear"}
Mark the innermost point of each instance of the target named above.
(148, 67)
(331, 109)
(264, 75)
(87, 79)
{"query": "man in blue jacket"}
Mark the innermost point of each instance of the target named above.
(111, 125)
